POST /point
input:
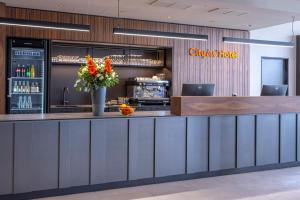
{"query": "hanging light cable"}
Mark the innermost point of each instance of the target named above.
(118, 9)
(293, 32)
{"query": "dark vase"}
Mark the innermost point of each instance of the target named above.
(98, 100)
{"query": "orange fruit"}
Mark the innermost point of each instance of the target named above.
(130, 109)
(123, 106)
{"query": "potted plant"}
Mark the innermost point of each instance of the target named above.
(95, 77)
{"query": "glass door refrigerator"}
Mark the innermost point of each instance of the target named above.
(26, 76)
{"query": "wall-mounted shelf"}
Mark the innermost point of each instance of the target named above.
(120, 56)
(65, 63)
(114, 65)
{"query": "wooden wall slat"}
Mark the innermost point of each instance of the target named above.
(228, 75)
(2, 60)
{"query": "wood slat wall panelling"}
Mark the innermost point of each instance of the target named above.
(228, 75)
(2, 59)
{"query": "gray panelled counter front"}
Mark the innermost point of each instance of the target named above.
(36, 148)
(6, 157)
(141, 148)
(222, 143)
(44, 155)
(74, 159)
(245, 136)
(170, 146)
(109, 145)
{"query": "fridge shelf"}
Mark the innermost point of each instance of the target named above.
(35, 59)
(19, 93)
(26, 109)
(27, 78)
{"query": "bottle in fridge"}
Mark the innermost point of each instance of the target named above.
(26, 67)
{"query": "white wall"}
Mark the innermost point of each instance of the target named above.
(277, 33)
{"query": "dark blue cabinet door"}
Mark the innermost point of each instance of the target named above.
(170, 146)
(74, 165)
(141, 148)
(267, 139)
(197, 144)
(222, 145)
(109, 150)
(6, 157)
(288, 137)
(245, 141)
(298, 137)
(36, 156)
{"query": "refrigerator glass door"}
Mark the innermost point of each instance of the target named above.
(26, 81)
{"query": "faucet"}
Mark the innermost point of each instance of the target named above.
(65, 90)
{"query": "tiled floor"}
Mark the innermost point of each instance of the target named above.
(281, 184)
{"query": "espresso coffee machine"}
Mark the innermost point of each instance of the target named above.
(148, 91)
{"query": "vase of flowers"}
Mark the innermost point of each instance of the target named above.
(95, 77)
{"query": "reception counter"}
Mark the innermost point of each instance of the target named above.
(56, 154)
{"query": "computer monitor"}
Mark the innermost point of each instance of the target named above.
(198, 89)
(274, 90)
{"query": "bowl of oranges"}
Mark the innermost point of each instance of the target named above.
(126, 109)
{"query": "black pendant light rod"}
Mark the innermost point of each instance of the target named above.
(159, 34)
(44, 24)
(257, 42)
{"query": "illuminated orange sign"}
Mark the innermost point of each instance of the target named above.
(213, 53)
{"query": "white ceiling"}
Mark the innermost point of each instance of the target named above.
(235, 14)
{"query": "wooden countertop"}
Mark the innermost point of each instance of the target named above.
(66, 116)
(186, 105)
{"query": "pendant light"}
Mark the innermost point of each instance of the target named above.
(289, 44)
(159, 34)
(156, 34)
(257, 42)
(44, 24)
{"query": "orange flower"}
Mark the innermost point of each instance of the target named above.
(89, 60)
(91, 65)
(93, 71)
(107, 66)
